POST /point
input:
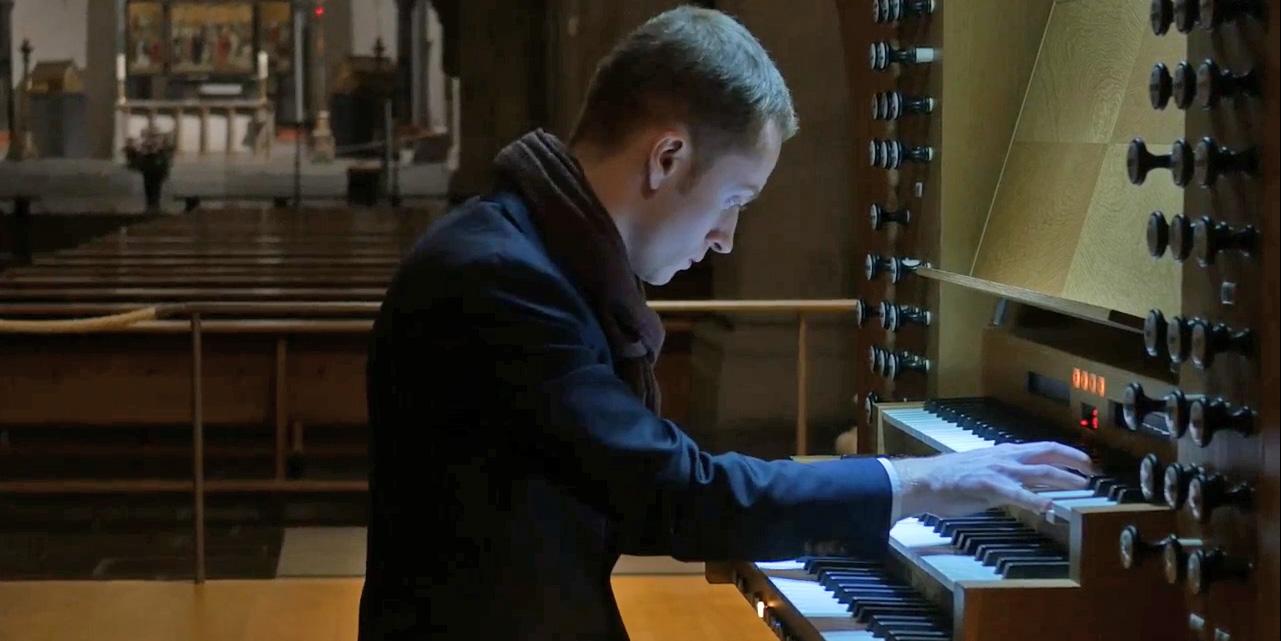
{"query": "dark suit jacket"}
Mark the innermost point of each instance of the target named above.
(511, 467)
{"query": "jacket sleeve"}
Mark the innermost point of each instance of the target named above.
(522, 332)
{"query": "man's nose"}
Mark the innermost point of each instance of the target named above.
(722, 238)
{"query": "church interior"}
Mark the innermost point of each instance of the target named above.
(999, 221)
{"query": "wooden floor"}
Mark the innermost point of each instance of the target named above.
(666, 608)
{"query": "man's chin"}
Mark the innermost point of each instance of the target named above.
(661, 278)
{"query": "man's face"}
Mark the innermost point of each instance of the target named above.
(684, 216)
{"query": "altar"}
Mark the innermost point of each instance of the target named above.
(215, 74)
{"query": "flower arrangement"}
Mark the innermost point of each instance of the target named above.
(151, 154)
(151, 151)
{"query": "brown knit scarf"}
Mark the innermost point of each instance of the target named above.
(583, 240)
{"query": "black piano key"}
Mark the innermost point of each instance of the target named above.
(863, 611)
(1035, 569)
(994, 557)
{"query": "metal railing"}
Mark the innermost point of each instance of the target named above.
(198, 319)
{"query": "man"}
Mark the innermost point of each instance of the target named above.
(517, 449)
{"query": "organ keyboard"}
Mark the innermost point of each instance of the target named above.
(1029, 297)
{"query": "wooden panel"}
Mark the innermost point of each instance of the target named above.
(977, 114)
(867, 185)
(1137, 118)
(989, 51)
(1111, 267)
(1269, 315)
(1038, 214)
(1082, 72)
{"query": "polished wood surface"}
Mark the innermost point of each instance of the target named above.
(654, 608)
(996, 42)
(1064, 220)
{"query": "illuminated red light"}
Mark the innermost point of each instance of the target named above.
(1089, 382)
(320, 12)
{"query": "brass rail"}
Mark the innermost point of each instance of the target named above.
(291, 317)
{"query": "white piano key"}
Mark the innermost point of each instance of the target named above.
(810, 599)
(959, 567)
(1092, 501)
(1057, 495)
(911, 533)
(849, 635)
(781, 565)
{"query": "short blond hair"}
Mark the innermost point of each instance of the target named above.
(695, 65)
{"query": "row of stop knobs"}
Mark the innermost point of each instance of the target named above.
(1205, 238)
(1207, 85)
(1193, 338)
(892, 155)
(1183, 559)
(1193, 487)
(892, 365)
(1200, 417)
(1201, 492)
(1206, 162)
(1187, 15)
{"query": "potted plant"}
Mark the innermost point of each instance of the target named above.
(151, 154)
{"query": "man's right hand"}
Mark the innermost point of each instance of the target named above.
(968, 482)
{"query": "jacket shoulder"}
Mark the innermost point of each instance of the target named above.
(479, 246)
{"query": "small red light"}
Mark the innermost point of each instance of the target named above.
(1085, 423)
(320, 12)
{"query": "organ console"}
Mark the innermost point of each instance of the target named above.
(895, 316)
(1181, 86)
(1210, 339)
(1209, 566)
(1214, 84)
(863, 312)
(1213, 13)
(1209, 492)
(897, 268)
(1209, 237)
(882, 54)
(891, 154)
(1175, 235)
(1187, 14)
(1154, 333)
(1179, 161)
(1161, 16)
(1205, 417)
(1025, 308)
(1212, 161)
(1177, 478)
(892, 105)
(1174, 556)
(1151, 478)
(1178, 339)
(880, 217)
(887, 11)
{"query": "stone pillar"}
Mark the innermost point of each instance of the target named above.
(6, 62)
(21, 145)
(322, 137)
(406, 64)
(501, 53)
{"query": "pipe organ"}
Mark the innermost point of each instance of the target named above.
(1073, 208)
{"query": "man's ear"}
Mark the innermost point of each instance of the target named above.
(668, 156)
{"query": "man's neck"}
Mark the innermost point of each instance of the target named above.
(602, 173)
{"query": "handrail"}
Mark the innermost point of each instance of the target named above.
(104, 317)
(197, 315)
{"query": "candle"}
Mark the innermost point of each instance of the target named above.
(262, 65)
(120, 67)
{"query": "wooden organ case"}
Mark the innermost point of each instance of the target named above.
(1072, 235)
